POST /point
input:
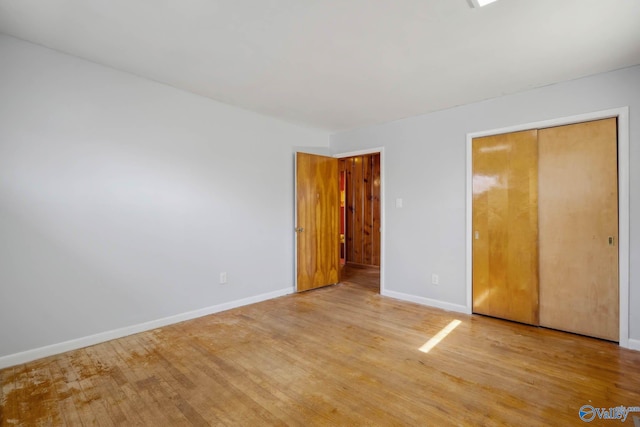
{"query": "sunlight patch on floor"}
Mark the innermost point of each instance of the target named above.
(435, 340)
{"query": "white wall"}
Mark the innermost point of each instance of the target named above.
(425, 161)
(121, 199)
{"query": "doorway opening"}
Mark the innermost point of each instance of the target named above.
(360, 220)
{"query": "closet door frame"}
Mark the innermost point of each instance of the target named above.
(622, 114)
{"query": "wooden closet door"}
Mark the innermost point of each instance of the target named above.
(505, 226)
(578, 213)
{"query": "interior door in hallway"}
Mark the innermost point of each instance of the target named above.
(505, 226)
(578, 217)
(317, 221)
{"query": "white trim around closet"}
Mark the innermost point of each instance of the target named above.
(622, 115)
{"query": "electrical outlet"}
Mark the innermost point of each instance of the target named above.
(223, 278)
(435, 280)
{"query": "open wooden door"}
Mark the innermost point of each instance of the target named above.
(317, 221)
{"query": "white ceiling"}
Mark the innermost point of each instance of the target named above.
(339, 64)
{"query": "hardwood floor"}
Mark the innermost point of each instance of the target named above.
(362, 276)
(342, 355)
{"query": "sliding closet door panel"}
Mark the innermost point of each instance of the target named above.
(578, 212)
(505, 226)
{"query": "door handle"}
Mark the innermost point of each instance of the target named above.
(611, 240)
(299, 229)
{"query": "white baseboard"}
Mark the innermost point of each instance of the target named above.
(634, 344)
(50, 350)
(427, 301)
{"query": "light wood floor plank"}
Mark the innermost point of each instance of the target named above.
(342, 355)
